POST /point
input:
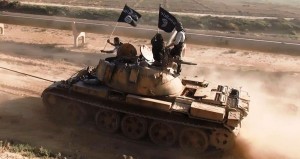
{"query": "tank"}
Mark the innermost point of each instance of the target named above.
(131, 95)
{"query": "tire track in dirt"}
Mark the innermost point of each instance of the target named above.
(42, 64)
(21, 91)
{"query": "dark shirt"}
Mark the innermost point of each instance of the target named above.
(157, 48)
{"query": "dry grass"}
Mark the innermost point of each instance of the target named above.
(28, 151)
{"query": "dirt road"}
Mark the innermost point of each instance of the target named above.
(270, 131)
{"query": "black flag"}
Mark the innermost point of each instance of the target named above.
(129, 16)
(166, 21)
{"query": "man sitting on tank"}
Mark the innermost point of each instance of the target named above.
(117, 44)
(124, 52)
(158, 49)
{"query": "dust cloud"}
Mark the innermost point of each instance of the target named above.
(271, 128)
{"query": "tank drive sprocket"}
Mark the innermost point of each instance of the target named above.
(222, 139)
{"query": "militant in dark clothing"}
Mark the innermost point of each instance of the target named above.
(158, 48)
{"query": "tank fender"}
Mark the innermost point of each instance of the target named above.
(148, 102)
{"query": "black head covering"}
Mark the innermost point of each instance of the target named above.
(179, 27)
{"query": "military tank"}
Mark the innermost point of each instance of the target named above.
(131, 95)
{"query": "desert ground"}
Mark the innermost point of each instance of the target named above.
(270, 131)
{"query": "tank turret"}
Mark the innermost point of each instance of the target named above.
(140, 80)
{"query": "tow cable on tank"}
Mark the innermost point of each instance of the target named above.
(27, 74)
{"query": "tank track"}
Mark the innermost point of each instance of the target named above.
(104, 106)
(217, 134)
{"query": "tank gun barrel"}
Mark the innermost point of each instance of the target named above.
(184, 62)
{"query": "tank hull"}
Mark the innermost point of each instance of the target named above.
(118, 102)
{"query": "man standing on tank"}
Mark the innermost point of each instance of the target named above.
(178, 44)
(158, 48)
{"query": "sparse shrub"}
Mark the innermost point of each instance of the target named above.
(259, 25)
(14, 4)
(42, 152)
(3, 4)
(232, 26)
(292, 32)
(28, 151)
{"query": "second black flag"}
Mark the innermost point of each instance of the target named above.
(166, 21)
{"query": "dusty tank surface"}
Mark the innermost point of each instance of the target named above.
(126, 94)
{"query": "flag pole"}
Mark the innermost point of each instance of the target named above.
(112, 31)
(158, 18)
(111, 34)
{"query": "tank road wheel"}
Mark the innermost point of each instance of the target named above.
(134, 127)
(75, 114)
(193, 140)
(108, 121)
(222, 139)
(162, 134)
